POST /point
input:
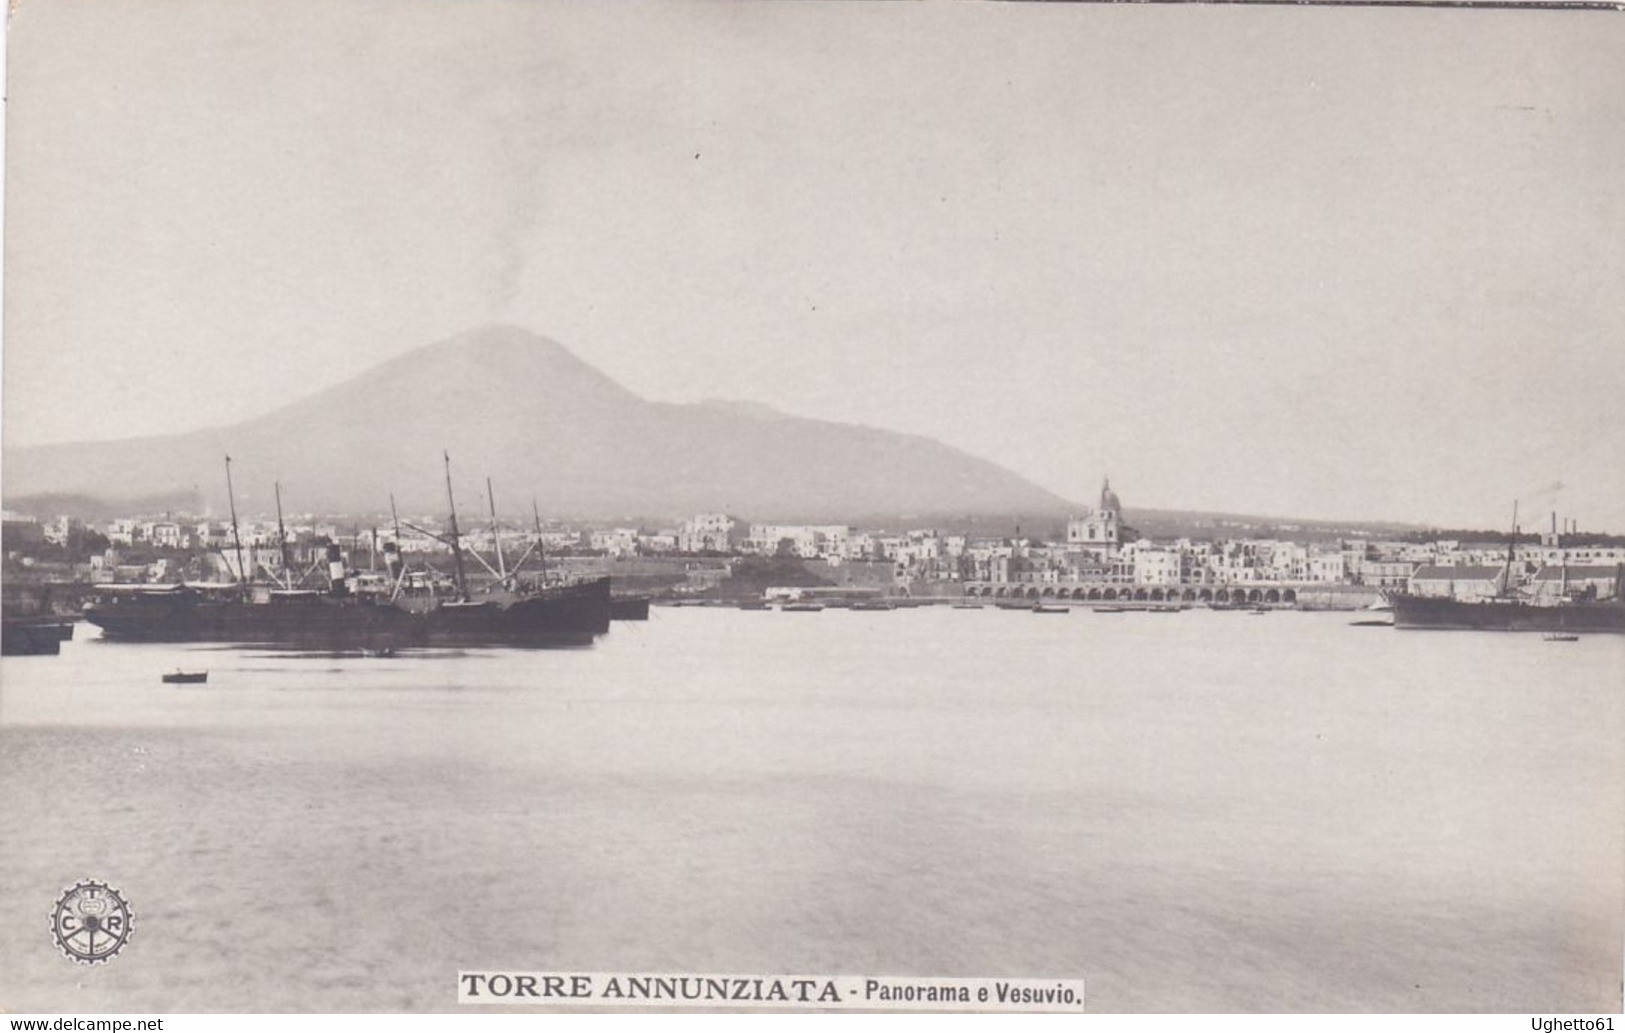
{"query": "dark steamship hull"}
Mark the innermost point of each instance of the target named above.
(571, 615)
(1508, 615)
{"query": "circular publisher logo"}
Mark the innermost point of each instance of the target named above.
(91, 922)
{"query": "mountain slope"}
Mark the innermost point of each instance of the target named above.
(537, 420)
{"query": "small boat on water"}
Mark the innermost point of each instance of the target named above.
(1109, 609)
(801, 607)
(752, 604)
(1041, 608)
(186, 677)
(967, 606)
(873, 604)
(1375, 622)
(1561, 636)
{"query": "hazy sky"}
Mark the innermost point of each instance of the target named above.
(1309, 261)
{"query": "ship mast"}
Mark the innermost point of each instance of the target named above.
(541, 553)
(456, 541)
(496, 539)
(400, 577)
(282, 537)
(1512, 547)
(1562, 558)
(236, 537)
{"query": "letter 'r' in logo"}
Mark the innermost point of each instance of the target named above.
(91, 922)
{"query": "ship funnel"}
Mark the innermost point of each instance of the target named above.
(335, 566)
(392, 559)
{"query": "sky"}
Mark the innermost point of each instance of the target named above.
(1317, 262)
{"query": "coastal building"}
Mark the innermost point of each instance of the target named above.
(1287, 561)
(617, 541)
(1467, 583)
(1161, 566)
(1237, 561)
(168, 535)
(665, 541)
(1579, 581)
(62, 529)
(710, 532)
(210, 535)
(807, 541)
(1329, 566)
(1386, 573)
(123, 531)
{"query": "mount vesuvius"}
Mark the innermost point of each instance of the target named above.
(525, 411)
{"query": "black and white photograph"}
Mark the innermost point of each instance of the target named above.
(824, 506)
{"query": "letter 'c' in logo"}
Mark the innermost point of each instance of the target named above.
(91, 922)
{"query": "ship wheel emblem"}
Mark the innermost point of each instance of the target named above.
(91, 922)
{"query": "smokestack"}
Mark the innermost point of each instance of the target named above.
(392, 559)
(335, 567)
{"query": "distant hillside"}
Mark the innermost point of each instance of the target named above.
(542, 423)
(1169, 524)
(97, 508)
(1160, 524)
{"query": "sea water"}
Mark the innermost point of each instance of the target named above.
(1200, 811)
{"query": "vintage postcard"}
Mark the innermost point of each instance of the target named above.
(1074, 507)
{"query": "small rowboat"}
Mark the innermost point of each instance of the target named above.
(186, 677)
(1561, 636)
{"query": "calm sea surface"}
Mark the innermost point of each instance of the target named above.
(1197, 811)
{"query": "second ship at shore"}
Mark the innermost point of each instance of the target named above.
(1509, 613)
(1557, 600)
(381, 611)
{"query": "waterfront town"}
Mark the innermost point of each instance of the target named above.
(1100, 557)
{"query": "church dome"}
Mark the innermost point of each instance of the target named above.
(1108, 499)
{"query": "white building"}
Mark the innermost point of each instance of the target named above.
(809, 541)
(618, 541)
(709, 532)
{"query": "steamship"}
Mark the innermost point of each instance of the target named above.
(385, 610)
(560, 615)
(1592, 617)
(1564, 600)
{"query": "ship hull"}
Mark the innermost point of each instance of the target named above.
(629, 608)
(1418, 613)
(567, 616)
